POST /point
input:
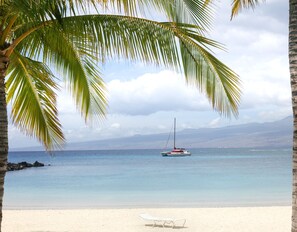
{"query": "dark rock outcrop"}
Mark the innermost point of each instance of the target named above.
(22, 165)
(38, 164)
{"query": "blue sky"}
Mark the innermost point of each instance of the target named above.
(144, 99)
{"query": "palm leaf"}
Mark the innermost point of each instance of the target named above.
(185, 11)
(75, 63)
(238, 5)
(202, 69)
(112, 36)
(153, 42)
(31, 91)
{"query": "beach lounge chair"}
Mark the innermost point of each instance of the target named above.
(162, 221)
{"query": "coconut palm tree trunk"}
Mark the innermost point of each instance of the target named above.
(3, 130)
(293, 73)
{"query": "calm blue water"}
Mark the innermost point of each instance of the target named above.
(130, 178)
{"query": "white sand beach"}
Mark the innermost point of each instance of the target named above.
(243, 219)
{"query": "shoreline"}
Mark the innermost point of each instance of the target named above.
(224, 219)
(149, 206)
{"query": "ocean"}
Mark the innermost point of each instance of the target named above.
(143, 178)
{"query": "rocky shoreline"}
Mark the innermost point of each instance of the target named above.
(22, 165)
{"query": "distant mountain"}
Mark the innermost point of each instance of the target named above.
(276, 134)
(257, 135)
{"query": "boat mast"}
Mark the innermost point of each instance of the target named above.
(174, 133)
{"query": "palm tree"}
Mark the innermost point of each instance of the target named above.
(236, 7)
(43, 42)
(293, 80)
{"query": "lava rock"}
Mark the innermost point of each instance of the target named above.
(22, 165)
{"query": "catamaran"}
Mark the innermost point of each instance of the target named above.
(176, 152)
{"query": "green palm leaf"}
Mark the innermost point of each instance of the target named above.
(113, 36)
(185, 11)
(153, 42)
(75, 63)
(204, 70)
(31, 90)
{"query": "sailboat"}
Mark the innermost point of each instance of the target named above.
(176, 152)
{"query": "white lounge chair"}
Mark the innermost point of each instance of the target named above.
(162, 221)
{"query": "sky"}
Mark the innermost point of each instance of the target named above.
(145, 99)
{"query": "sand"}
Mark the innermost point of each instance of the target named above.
(240, 219)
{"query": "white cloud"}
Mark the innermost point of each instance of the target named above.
(263, 84)
(268, 42)
(115, 125)
(266, 83)
(153, 92)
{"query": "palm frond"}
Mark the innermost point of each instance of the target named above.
(194, 12)
(79, 70)
(184, 11)
(31, 90)
(238, 5)
(76, 64)
(153, 42)
(204, 70)
(113, 36)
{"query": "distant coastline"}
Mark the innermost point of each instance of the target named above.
(277, 134)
